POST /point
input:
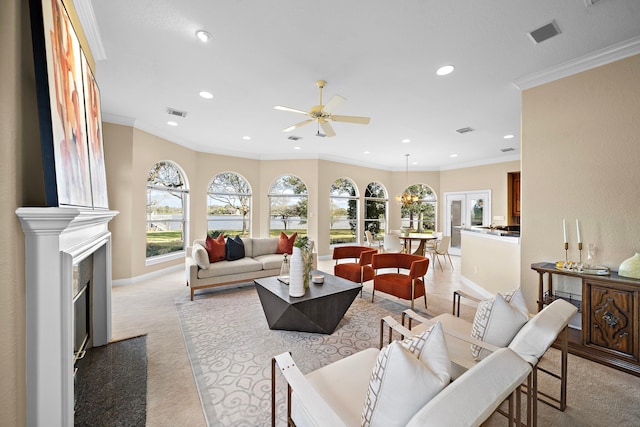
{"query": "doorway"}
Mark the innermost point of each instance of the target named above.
(465, 209)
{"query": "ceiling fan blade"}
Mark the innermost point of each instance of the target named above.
(293, 110)
(333, 103)
(351, 119)
(297, 125)
(326, 127)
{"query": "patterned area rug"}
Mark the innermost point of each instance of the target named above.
(230, 347)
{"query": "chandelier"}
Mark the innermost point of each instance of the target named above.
(406, 198)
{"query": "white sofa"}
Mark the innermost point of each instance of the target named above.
(260, 260)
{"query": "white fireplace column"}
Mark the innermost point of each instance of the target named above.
(55, 239)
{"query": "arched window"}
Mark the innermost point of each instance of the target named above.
(167, 195)
(375, 208)
(288, 206)
(343, 214)
(229, 205)
(420, 216)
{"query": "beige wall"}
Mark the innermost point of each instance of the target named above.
(487, 177)
(580, 159)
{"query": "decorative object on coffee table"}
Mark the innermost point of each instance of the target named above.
(296, 284)
(630, 267)
(284, 270)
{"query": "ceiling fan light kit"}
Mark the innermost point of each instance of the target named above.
(322, 114)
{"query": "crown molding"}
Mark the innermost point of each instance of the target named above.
(87, 18)
(594, 59)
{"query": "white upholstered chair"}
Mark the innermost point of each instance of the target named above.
(335, 395)
(391, 243)
(530, 342)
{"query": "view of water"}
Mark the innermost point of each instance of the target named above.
(232, 222)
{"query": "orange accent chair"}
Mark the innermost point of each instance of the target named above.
(359, 270)
(400, 284)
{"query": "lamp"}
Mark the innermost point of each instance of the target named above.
(406, 198)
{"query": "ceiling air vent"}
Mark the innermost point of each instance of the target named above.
(176, 112)
(505, 150)
(294, 138)
(465, 130)
(545, 32)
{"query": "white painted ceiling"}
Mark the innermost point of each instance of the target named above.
(379, 54)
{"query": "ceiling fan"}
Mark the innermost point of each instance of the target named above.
(323, 113)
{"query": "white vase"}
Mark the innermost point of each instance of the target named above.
(296, 269)
(630, 267)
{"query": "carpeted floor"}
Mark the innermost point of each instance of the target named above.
(111, 385)
(230, 347)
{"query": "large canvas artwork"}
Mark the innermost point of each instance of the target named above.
(94, 137)
(67, 139)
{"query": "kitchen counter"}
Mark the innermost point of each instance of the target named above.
(507, 231)
(490, 259)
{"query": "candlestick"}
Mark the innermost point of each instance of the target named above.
(578, 228)
(580, 249)
(566, 257)
(564, 229)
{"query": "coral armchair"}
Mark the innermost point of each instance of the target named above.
(359, 270)
(402, 284)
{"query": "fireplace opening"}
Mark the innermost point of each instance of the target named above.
(82, 308)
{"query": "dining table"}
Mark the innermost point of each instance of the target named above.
(422, 238)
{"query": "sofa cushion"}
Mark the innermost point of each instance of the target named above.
(200, 256)
(234, 249)
(223, 268)
(264, 246)
(215, 248)
(401, 383)
(270, 261)
(495, 322)
(285, 243)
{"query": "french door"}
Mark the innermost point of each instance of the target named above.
(465, 209)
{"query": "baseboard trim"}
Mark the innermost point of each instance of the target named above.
(152, 275)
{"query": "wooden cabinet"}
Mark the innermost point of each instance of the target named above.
(513, 188)
(610, 309)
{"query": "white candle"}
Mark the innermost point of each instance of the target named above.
(578, 228)
(564, 228)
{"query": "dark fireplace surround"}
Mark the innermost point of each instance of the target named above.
(65, 249)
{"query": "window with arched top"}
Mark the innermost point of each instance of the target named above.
(420, 215)
(375, 208)
(229, 205)
(343, 212)
(288, 203)
(167, 201)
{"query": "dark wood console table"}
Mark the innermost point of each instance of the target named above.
(610, 317)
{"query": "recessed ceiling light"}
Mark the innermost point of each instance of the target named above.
(297, 148)
(203, 36)
(172, 123)
(454, 155)
(443, 71)
(406, 141)
(246, 138)
(414, 163)
(206, 95)
(367, 152)
(508, 136)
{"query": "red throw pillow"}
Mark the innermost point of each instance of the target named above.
(215, 248)
(285, 244)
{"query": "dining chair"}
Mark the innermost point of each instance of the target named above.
(370, 240)
(442, 248)
(391, 243)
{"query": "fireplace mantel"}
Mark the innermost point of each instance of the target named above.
(55, 239)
